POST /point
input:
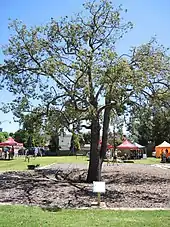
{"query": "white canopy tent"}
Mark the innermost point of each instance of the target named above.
(139, 146)
(142, 148)
(164, 145)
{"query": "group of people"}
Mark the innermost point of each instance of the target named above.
(10, 152)
(165, 155)
(111, 157)
(33, 152)
(7, 152)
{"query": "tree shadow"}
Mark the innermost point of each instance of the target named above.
(136, 179)
(58, 189)
(20, 187)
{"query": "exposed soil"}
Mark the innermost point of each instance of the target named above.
(127, 185)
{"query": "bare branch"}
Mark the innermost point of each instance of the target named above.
(86, 126)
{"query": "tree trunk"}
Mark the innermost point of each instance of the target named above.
(106, 123)
(94, 171)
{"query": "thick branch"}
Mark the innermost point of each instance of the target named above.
(111, 105)
(86, 126)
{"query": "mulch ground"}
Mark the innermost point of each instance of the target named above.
(127, 185)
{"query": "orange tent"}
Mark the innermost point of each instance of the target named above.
(160, 148)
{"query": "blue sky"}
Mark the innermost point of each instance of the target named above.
(149, 17)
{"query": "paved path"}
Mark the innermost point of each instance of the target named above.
(65, 166)
(81, 166)
(162, 166)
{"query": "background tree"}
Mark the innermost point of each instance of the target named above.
(150, 122)
(21, 136)
(11, 134)
(116, 134)
(45, 124)
(87, 137)
(3, 136)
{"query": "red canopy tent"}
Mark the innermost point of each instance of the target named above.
(126, 145)
(10, 142)
(109, 146)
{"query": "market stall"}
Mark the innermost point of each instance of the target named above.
(9, 148)
(161, 148)
(126, 147)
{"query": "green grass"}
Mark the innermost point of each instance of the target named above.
(148, 161)
(35, 217)
(19, 164)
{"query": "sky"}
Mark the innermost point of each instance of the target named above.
(149, 17)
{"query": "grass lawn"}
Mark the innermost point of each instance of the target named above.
(35, 217)
(19, 164)
(148, 161)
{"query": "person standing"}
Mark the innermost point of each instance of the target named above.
(108, 156)
(12, 152)
(36, 151)
(0, 153)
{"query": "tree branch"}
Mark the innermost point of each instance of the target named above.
(86, 126)
(109, 105)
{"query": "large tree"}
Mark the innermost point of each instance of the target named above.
(72, 62)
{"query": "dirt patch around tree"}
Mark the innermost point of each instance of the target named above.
(127, 185)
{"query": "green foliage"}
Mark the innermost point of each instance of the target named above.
(151, 122)
(21, 136)
(75, 142)
(76, 139)
(6, 135)
(61, 52)
(72, 63)
(11, 134)
(114, 138)
(3, 136)
(87, 137)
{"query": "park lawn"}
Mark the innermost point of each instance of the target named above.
(148, 161)
(22, 216)
(20, 164)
